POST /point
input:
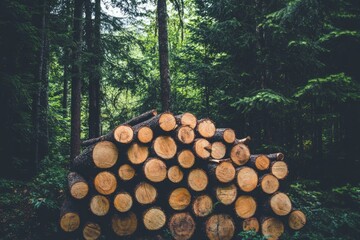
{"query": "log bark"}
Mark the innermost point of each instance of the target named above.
(186, 158)
(202, 148)
(206, 128)
(218, 150)
(280, 204)
(182, 226)
(124, 224)
(202, 206)
(123, 202)
(197, 180)
(251, 224)
(99, 205)
(269, 184)
(272, 156)
(155, 170)
(226, 194)
(164, 147)
(103, 155)
(260, 162)
(137, 153)
(224, 172)
(247, 179)
(69, 216)
(272, 228)
(105, 183)
(185, 134)
(186, 119)
(126, 172)
(279, 169)
(154, 218)
(297, 220)
(240, 154)
(132, 122)
(245, 206)
(78, 186)
(179, 199)
(226, 135)
(91, 231)
(164, 122)
(220, 227)
(175, 174)
(145, 193)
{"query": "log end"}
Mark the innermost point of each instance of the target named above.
(124, 134)
(105, 154)
(247, 179)
(182, 226)
(167, 122)
(206, 128)
(297, 220)
(280, 204)
(179, 199)
(124, 224)
(245, 206)
(137, 153)
(198, 180)
(186, 158)
(175, 174)
(154, 219)
(220, 227)
(155, 170)
(240, 154)
(165, 147)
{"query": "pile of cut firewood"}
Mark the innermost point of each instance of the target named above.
(160, 174)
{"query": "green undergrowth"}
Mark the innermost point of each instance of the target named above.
(29, 210)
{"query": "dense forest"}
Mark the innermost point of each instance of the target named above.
(285, 72)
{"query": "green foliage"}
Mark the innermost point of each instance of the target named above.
(250, 235)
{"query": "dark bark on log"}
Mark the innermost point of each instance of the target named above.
(69, 216)
(226, 135)
(186, 119)
(78, 186)
(243, 140)
(272, 156)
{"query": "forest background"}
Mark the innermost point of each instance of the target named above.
(285, 72)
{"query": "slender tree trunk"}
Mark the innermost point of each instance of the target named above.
(76, 80)
(163, 54)
(36, 103)
(64, 101)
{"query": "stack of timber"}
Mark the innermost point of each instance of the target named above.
(175, 174)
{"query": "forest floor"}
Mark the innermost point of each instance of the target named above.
(29, 210)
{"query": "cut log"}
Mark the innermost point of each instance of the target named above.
(137, 153)
(186, 119)
(164, 122)
(99, 205)
(218, 150)
(226, 135)
(164, 147)
(224, 171)
(251, 224)
(269, 183)
(272, 156)
(126, 172)
(105, 183)
(279, 169)
(226, 194)
(145, 193)
(206, 128)
(197, 180)
(179, 199)
(280, 204)
(297, 220)
(123, 134)
(247, 179)
(240, 154)
(272, 228)
(185, 134)
(260, 162)
(143, 134)
(243, 140)
(181, 226)
(124, 224)
(186, 158)
(123, 202)
(202, 206)
(245, 206)
(102, 155)
(69, 216)
(77, 185)
(154, 219)
(202, 148)
(131, 122)
(155, 170)
(175, 174)
(220, 227)
(91, 231)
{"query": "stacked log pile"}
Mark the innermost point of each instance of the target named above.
(179, 175)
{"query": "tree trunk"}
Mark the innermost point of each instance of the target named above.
(76, 81)
(163, 55)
